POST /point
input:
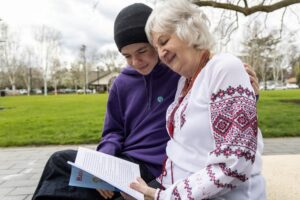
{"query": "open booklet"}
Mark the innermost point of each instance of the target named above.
(93, 169)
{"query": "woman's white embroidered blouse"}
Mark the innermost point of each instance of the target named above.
(214, 149)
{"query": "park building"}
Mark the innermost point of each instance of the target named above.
(102, 81)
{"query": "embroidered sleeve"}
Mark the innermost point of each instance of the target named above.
(234, 130)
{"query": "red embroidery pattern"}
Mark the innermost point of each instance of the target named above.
(231, 91)
(171, 115)
(217, 182)
(158, 194)
(182, 116)
(178, 120)
(234, 120)
(234, 124)
(176, 194)
(188, 189)
(227, 151)
(185, 90)
(231, 173)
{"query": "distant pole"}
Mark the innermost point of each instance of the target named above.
(97, 87)
(82, 51)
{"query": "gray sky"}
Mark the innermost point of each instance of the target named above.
(77, 20)
(80, 23)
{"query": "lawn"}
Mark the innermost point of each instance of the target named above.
(40, 120)
(279, 113)
(78, 119)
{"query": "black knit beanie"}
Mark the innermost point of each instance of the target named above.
(129, 27)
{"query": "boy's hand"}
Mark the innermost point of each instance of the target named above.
(253, 78)
(107, 194)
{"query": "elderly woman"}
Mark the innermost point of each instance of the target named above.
(215, 146)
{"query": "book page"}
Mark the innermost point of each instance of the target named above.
(115, 171)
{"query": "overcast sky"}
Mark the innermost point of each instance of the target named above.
(79, 22)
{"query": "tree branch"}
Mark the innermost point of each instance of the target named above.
(298, 19)
(265, 21)
(247, 10)
(246, 3)
(262, 3)
(221, 17)
(282, 19)
(231, 28)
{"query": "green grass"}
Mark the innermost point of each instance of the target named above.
(40, 120)
(279, 113)
(78, 119)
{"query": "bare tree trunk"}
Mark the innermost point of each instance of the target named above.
(45, 87)
(13, 87)
(48, 39)
(83, 60)
(12, 81)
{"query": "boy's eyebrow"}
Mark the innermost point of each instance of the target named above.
(139, 49)
(142, 48)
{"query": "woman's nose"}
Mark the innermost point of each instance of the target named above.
(161, 53)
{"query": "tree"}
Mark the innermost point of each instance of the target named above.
(248, 7)
(259, 50)
(4, 83)
(36, 78)
(231, 14)
(25, 69)
(75, 74)
(293, 54)
(277, 68)
(84, 67)
(48, 43)
(296, 69)
(2, 32)
(11, 55)
(57, 73)
(111, 60)
(93, 59)
(245, 7)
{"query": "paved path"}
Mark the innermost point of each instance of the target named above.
(20, 168)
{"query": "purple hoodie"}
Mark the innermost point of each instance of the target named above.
(135, 121)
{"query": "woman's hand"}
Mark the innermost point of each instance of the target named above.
(142, 187)
(107, 194)
(253, 78)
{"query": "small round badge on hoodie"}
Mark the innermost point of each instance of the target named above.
(160, 99)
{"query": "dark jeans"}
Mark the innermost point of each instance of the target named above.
(54, 182)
